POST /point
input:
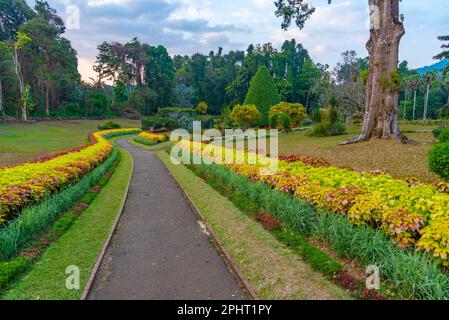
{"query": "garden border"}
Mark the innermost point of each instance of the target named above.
(227, 258)
(94, 273)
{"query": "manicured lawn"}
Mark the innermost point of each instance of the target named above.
(253, 248)
(398, 160)
(79, 246)
(26, 142)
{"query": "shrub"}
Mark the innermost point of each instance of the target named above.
(263, 93)
(281, 121)
(436, 132)
(439, 160)
(108, 125)
(9, 270)
(202, 107)
(295, 111)
(246, 115)
(159, 122)
(316, 115)
(328, 124)
(444, 135)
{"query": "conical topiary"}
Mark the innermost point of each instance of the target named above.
(263, 93)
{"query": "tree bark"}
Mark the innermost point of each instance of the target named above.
(380, 120)
(19, 74)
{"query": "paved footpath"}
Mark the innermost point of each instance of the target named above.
(159, 250)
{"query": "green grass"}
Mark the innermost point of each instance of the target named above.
(274, 270)
(400, 160)
(26, 142)
(79, 246)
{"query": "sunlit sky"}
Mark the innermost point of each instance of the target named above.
(190, 26)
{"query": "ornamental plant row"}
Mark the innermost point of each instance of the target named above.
(28, 183)
(158, 138)
(414, 215)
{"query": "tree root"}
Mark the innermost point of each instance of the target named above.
(398, 138)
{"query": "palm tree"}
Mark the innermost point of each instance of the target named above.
(414, 83)
(428, 79)
(406, 85)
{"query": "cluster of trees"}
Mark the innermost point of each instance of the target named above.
(38, 66)
(38, 75)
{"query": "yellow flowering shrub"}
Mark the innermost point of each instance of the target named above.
(30, 182)
(153, 137)
(414, 214)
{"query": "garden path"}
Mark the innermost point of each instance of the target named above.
(159, 251)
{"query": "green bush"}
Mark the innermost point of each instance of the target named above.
(437, 131)
(444, 135)
(263, 93)
(281, 121)
(145, 141)
(316, 115)
(11, 269)
(439, 160)
(159, 122)
(109, 125)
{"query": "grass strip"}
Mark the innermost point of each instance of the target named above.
(79, 246)
(412, 273)
(252, 247)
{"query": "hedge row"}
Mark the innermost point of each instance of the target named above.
(411, 272)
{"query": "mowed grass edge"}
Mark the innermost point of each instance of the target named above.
(275, 271)
(80, 246)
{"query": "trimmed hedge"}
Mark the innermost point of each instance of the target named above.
(412, 273)
(444, 135)
(108, 125)
(35, 219)
(439, 160)
(263, 93)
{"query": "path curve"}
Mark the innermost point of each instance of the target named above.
(159, 251)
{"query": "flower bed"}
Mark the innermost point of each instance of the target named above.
(158, 138)
(31, 182)
(414, 215)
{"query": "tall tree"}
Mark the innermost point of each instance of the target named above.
(428, 79)
(13, 13)
(262, 93)
(387, 29)
(414, 83)
(14, 48)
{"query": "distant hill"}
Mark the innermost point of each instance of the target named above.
(437, 67)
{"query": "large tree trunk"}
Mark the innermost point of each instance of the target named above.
(19, 74)
(380, 120)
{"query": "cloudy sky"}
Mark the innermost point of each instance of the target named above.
(190, 26)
